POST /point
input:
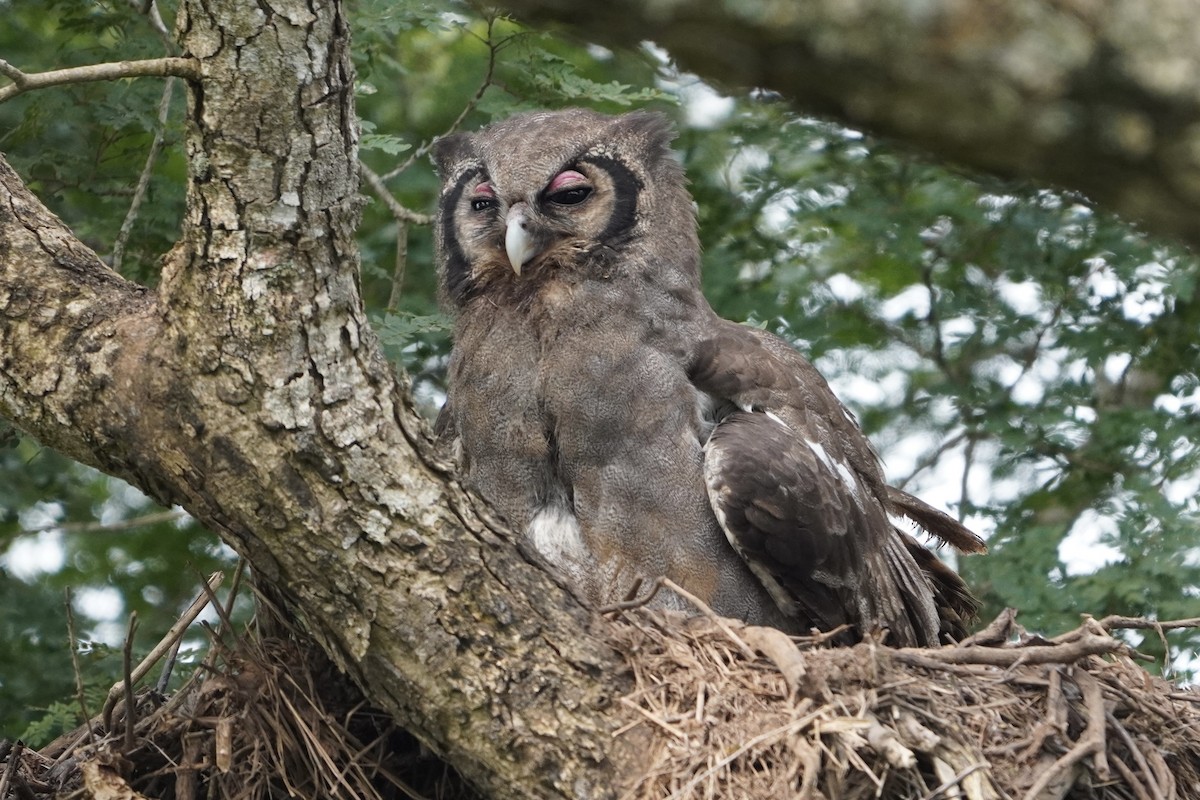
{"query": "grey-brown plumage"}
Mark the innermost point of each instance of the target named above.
(627, 431)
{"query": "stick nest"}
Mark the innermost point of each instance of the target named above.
(723, 710)
(740, 711)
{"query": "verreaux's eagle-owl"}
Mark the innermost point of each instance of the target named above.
(599, 403)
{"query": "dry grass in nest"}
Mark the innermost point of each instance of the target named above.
(266, 716)
(729, 711)
(1005, 715)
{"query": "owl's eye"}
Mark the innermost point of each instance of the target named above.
(484, 197)
(568, 188)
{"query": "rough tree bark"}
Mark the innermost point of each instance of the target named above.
(1102, 97)
(249, 389)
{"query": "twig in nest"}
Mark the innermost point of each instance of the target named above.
(87, 718)
(782, 651)
(996, 632)
(1054, 721)
(713, 616)
(127, 663)
(160, 649)
(885, 741)
(1131, 778)
(14, 758)
(1091, 743)
(1150, 788)
(631, 600)
(662, 723)
(1065, 653)
(794, 726)
(1093, 699)
(1115, 622)
(816, 637)
(955, 781)
(164, 678)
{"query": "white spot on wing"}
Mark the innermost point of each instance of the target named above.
(821, 455)
(774, 416)
(838, 468)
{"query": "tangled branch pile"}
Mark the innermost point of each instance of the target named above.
(1004, 715)
(731, 711)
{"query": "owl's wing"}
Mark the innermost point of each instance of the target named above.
(799, 492)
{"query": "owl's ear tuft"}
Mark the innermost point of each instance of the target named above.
(654, 129)
(451, 150)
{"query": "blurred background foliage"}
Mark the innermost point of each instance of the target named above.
(1021, 359)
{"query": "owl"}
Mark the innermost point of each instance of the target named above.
(629, 433)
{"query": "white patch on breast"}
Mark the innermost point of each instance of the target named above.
(554, 532)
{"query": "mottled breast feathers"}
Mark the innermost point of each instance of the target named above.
(629, 433)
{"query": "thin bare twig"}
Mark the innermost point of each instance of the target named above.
(932, 457)
(400, 267)
(169, 664)
(155, 67)
(127, 664)
(1116, 622)
(964, 491)
(716, 618)
(139, 194)
(150, 11)
(381, 191)
(160, 649)
(222, 613)
(631, 600)
(75, 666)
(494, 47)
(108, 527)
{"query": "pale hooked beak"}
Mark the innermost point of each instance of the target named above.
(518, 242)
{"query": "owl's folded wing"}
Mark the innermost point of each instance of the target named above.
(799, 493)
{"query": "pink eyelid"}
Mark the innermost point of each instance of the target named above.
(484, 190)
(566, 179)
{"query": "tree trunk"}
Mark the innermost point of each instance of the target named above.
(249, 389)
(1102, 97)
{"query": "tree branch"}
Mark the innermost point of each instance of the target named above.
(397, 209)
(1099, 97)
(156, 67)
(250, 390)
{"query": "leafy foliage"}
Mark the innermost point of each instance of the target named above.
(1016, 355)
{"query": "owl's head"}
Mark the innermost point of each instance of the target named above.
(572, 195)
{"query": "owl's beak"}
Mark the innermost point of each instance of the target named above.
(519, 244)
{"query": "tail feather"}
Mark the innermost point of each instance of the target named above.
(936, 523)
(956, 606)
